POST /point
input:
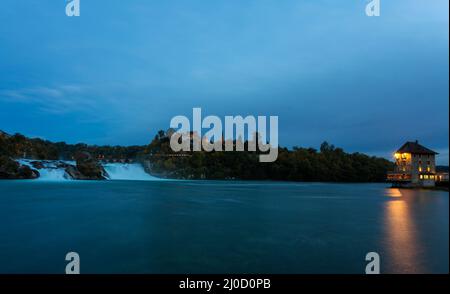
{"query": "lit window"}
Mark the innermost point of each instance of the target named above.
(420, 168)
(426, 177)
(428, 169)
(421, 177)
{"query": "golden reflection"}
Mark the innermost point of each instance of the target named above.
(393, 192)
(401, 239)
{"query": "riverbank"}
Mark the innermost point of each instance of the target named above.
(435, 188)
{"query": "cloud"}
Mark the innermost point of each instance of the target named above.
(61, 99)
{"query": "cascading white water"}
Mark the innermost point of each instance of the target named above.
(52, 174)
(127, 171)
(116, 171)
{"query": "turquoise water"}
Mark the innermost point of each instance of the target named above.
(220, 227)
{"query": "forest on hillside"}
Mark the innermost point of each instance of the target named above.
(328, 164)
(19, 146)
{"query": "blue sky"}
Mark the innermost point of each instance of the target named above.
(123, 69)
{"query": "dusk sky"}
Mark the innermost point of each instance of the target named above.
(119, 72)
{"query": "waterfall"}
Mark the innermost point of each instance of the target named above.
(52, 174)
(127, 171)
(52, 171)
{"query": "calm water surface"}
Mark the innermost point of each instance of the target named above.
(220, 227)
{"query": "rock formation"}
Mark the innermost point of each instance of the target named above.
(87, 168)
(10, 169)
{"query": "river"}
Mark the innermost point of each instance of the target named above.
(167, 226)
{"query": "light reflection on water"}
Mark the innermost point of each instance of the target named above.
(401, 233)
(394, 192)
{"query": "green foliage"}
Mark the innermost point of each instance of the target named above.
(19, 146)
(67, 151)
(7, 165)
(331, 164)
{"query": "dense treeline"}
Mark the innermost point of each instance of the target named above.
(328, 164)
(100, 152)
(19, 146)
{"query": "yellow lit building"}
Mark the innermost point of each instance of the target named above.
(415, 166)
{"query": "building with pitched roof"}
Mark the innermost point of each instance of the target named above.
(415, 166)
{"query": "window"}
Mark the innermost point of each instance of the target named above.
(428, 169)
(426, 177)
(420, 168)
(421, 177)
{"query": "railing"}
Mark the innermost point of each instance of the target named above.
(396, 177)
